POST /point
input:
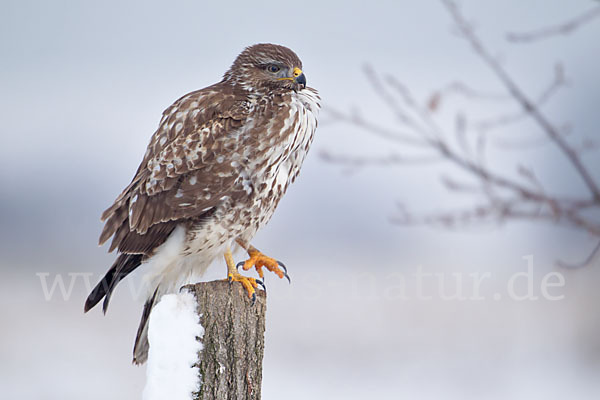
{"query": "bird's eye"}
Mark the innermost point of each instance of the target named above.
(273, 68)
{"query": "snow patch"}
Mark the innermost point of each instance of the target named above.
(174, 327)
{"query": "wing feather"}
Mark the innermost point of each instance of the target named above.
(184, 172)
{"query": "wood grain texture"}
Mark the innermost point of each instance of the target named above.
(230, 363)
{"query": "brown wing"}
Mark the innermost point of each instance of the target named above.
(184, 173)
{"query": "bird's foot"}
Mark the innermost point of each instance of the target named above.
(249, 284)
(258, 260)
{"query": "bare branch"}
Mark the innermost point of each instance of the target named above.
(557, 83)
(456, 186)
(434, 140)
(470, 93)
(459, 88)
(381, 161)
(521, 98)
(501, 196)
(475, 215)
(497, 211)
(588, 260)
(562, 29)
(396, 108)
(356, 119)
(433, 132)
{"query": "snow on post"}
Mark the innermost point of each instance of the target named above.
(172, 371)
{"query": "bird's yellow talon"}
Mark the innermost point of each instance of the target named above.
(258, 260)
(248, 283)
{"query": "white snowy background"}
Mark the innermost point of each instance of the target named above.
(82, 87)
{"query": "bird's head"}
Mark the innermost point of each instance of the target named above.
(267, 66)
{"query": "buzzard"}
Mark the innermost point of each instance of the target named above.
(212, 176)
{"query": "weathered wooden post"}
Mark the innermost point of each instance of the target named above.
(230, 362)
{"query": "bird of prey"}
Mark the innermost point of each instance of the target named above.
(212, 176)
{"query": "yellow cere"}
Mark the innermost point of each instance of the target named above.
(297, 73)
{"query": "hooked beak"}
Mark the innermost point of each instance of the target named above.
(298, 77)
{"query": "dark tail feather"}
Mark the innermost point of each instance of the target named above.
(140, 349)
(123, 265)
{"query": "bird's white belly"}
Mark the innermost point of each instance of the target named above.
(183, 259)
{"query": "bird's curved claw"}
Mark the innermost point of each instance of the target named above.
(285, 273)
(259, 261)
(262, 284)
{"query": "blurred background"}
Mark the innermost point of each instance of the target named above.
(82, 88)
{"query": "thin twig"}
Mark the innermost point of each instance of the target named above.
(461, 88)
(561, 29)
(355, 119)
(380, 161)
(557, 83)
(391, 102)
(583, 263)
